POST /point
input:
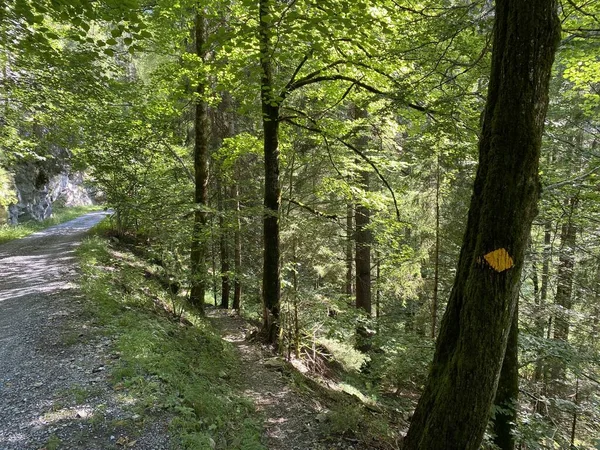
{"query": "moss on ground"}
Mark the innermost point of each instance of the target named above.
(183, 369)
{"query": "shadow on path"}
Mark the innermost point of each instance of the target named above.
(290, 418)
(52, 391)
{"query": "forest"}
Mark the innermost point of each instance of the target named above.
(402, 195)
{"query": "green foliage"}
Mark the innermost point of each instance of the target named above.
(406, 362)
(354, 420)
(6, 189)
(345, 354)
(111, 84)
(162, 364)
(53, 442)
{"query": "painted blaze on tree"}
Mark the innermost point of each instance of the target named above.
(454, 409)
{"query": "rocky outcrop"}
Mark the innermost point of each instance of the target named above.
(38, 189)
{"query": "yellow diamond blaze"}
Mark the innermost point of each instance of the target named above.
(499, 260)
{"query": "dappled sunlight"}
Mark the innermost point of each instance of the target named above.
(126, 399)
(262, 398)
(34, 271)
(233, 338)
(299, 365)
(39, 267)
(65, 411)
(52, 417)
(287, 415)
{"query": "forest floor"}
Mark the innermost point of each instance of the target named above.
(292, 420)
(94, 361)
(302, 410)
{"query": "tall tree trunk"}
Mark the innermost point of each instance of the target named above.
(237, 255)
(507, 394)
(363, 242)
(574, 422)
(349, 247)
(199, 246)
(271, 288)
(362, 220)
(543, 295)
(295, 286)
(436, 263)
(454, 409)
(223, 248)
(226, 129)
(564, 288)
(546, 261)
(213, 254)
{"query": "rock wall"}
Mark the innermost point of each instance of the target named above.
(38, 189)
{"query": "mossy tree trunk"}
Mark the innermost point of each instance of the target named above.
(454, 409)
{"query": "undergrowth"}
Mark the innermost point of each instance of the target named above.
(60, 215)
(184, 369)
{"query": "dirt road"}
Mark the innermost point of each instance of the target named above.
(53, 390)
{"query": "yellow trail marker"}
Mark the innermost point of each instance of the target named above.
(499, 260)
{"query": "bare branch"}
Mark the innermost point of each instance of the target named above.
(312, 210)
(572, 180)
(316, 129)
(355, 81)
(295, 74)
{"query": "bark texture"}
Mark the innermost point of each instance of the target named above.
(237, 252)
(363, 252)
(362, 219)
(271, 288)
(454, 409)
(199, 246)
(349, 249)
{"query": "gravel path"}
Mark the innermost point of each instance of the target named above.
(54, 392)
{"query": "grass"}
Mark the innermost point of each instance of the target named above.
(165, 366)
(60, 215)
(53, 443)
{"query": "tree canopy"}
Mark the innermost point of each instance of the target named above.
(326, 161)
